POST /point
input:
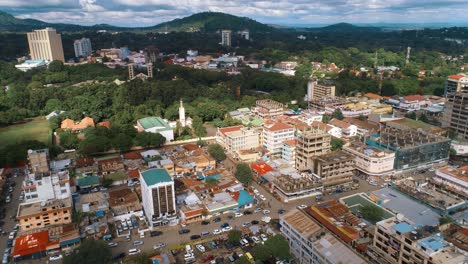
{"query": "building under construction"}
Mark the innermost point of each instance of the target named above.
(327, 103)
(412, 148)
(310, 143)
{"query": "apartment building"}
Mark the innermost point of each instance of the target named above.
(236, 138)
(370, 161)
(317, 91)
(336, 170)
(288, 152)
(45, 44)
(38, 161)
(44, 214)
(455, 179)
(400, 241)
(346, 130)
(311, 142)
(82, 47)
(456, 113)
(312, 244)
(44, 188)
(456, 83)
(226, 37)
(267, 108)
(158, 196)
(273, 136)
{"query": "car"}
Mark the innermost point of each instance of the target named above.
(247, 212)
(244, 242)
(16, 228)
(263, 237)
(216, 232)
(194, 237)
(246, 224)
(257, 210)
(200, 248)
(281, 211)
(103, 189)
(10, 243)
(55, 257)
(238, 215)
(266, 211)
(230, 217)
(138, 242)
(112, 244)
(142, 235)
(217, 219)
(227, 229)
(254, 222)
(255, 239)
(205, 233)
(223, 225)
(5, 259)
(12, 235)
(208, 258)
(256, 191)
(134, 251)
(261, 196)
(184, 231)
(159, 245)
(302, 206)
(156, 233)
(204, 222)
(8, 199)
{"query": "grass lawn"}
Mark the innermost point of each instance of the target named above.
(356, 202)
(36, 129)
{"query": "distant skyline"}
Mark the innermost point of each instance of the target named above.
(135, 13)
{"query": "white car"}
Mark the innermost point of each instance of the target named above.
(255, 239)
(12, 235)
(238, 215)
(133, 251)
(266, 211)
(263, 237)
(256, 191)
(158, 246)
(55, 257)
(302, 206)
(227, 228)
(217, 232)
(262, 197)
(200, 248)
(138, 243)
(257, 210)
(112, 244)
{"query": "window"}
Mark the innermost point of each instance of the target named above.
(65, 218)
(38, 217)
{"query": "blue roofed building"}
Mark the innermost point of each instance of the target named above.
(244, 199)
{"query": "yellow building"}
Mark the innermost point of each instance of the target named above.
(42, 214)
(45, 44)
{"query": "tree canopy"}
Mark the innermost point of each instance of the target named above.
(244, 173)
(90, 251)
(217, 152)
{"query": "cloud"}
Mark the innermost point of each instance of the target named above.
(150, 12)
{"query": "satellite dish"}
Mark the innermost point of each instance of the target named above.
(400, 217)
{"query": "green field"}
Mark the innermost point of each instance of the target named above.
(36, 129)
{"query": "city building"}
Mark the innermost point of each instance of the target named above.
(371, 161)
(158, 196)
(401, 241)
(317, 91)
(312, 244)
(43, 214)
(288, 152)
(237, 138)
(69, 124)
(46, 187)
(453, 179)
(268, 108)
(311, 142)
(346, 130)
(336, 170)
(274, 135)
(226, 38)
(460, 147)
(38, 161)
(409, 103)
(456, 83)
(327, 104)
(45, 44)
(412, 148)
(82, 47)
(245, 34)
(124, 202)
(456, 114)
(154, 124)
(31, 64)
(294, 186)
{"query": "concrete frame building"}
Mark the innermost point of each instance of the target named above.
(38, 161)
(317, 91)
(310, 143)
(158, 196)
(456, 113)
(369, 160)
(456, 83)
(336, 170)
(226, 37)
(274, 135)
(296, 186)
(236, 138)
(45, 44)
(82, 47)
(268, 108)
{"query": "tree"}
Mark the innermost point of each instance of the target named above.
(261, 252)
(243, 173)
(423, 118)
(336, 143)
(147, 139)
(234, 236)
(142, 258)
(122, 142)
(198, 128)
(411, 115)
(217, 152)
(68, 140)
(371, 213)
(338, 114)
(279, 247)
(56, 66)
(445, 220)
(326, 118)
(90, 251)
(242, 260)
(107, 182)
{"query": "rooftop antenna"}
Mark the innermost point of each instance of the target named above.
(408, 52)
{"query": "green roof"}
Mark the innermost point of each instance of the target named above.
(88, 181)
(152, 121)
(155, 176)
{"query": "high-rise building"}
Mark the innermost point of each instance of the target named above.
(82, 47)
(245, 34)
(273, 136)
(158, 196)
(317, 91)
(151, 54)
(226, 38)
(336, 170)
(456, 83)
(310, 143)
(456, 114)
(45, 44)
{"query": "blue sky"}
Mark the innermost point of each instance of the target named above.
(150, 12)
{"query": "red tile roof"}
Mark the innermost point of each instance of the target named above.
(456, 77)
(278, 127)
(339, 123)
(134, 155)
(104, 124)
(372, 96)
(415, 97)
(261, 168)
(190, 147)
(193, 213)
(225, 130)
(133, 174)
(70, 124)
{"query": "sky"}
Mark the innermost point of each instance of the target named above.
(136, 13)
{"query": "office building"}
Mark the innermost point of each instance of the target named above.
(158, 196)
(456, 83)
(45, 44)
(311, 142)
(82, 47)
(312, 244)
(456, 114)
(317, 91)
(336, 170)
(46, 187)
(274, 135)
(236, 138)
(371, 161)
(226, 38)
(294, 186)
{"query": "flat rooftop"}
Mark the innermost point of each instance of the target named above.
(301, 223)
(155, 176)
(27, 209)
(415, 211)
(333, 249)
(369, 151)
(336, 156)
(460, 173)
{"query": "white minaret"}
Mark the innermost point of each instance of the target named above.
(310, 89)
(182, 114)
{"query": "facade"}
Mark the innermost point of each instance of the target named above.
(43, 214)
(268, 108)
(456, 83)
(237, 138)
(274, 135)
(226, 38)
(317, 91)
(310, 143)
(82, 47)
(45, 44)
(288, 152)
(312, 244)
(245, 34)
(412, 148)
(38, 161)
(456, 113)
(158, 196)
(453, 178)
(336, 170)
(156, 125)
(369, 160)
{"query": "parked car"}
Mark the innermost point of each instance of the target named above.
(227, 229)
(112, 244)
(184, 231)
(255, 239)
(205, 233)
(217, 219)
(204, 222)
(55, 257)
(238, 215)
(200, 248)
(263, 237)
(246, 224)
(266, 211)
(134, 251)
(156, 233)
(194, 237)
(302, 206)
(257, 210)
(159, 245)
(216, 232)
(119, 256)
(254, 222)
(261, 196)
(138, 242)
(247, 212)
